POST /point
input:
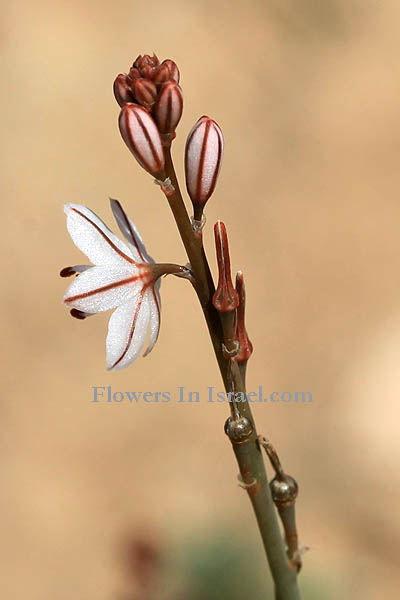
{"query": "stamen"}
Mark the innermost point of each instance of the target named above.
(69, 271)
(80, 314)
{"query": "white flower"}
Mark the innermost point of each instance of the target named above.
(123, 277)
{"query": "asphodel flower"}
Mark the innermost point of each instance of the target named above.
(123, 277)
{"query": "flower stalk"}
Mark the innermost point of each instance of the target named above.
(203, 156)
(123, 277)
(248, 454)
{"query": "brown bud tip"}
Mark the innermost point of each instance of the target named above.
(174, 74)
(225, 298)
(146, 62)
(169, 107)
(245, 345)
(145, 91)
(136, 61)
(203, 157)
(122, 89)
(142, 137)
(162, 75)
(134, 73)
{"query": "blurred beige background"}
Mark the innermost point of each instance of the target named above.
(307, 93)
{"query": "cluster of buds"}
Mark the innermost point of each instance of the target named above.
(151, 104)
(151, 107)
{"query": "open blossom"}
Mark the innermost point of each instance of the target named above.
(123, 277)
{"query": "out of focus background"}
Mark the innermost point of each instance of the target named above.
(108, 501)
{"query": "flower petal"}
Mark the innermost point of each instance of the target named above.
(153, 297)
(127, 331)
(93, 237)
(102, 288)
(130, 233)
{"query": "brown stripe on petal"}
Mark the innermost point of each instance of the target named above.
(105, 288)
(131, 231)
(135, 148)
(218, 163)
(113, 246)
(151, 346)
(156, 301)
(199, 188)
(158, 165)
(132, 330)
(127, 132)
(167, 122)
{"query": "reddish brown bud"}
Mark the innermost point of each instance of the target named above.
(147, 65)
(134, 73)
(145, 92)
(122, 90)
(142, 137)
(162, 74)
(136, 62)
(169, 107)
(174, 74)
(146, 59)
(203, 157)
(245, 345)
(147, 72)
(226, 298)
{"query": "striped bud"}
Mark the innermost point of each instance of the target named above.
(169, 107)
(225, 298)
(203, 156)
(174, 74)
(162, 75)
(145, 92)
(122, 91)
(141, 135)
(134, 73)
(136, 61)
(143, 61)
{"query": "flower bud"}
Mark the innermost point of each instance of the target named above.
(169, 107)
(136, 61)
(134, 73)
(162, 75)
(203, 156)
(245, 345)
(145, 92)
(141, 135)
(174, 74)
(122, 90)
(226, 298)
(143, 61)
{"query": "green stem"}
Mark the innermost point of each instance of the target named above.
(248, 454)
